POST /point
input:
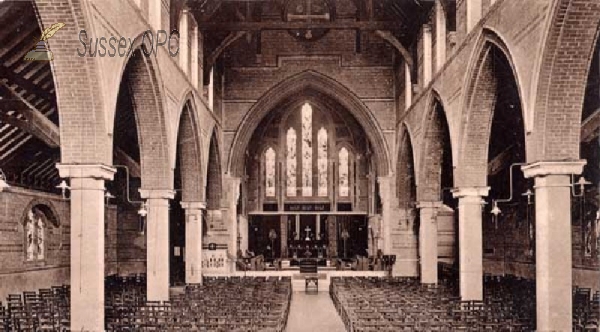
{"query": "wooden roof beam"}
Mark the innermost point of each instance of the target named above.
(298, 25)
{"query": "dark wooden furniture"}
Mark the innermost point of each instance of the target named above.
(308, 268)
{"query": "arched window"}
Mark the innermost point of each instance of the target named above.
(270, 172)
(344, 172)
(35, 235)
(307, 152)
(291, 162)
(322, 161)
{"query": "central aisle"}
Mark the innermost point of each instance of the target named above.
(313, 312)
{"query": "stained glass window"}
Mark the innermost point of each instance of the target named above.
(270, 172)
(322, 161)
(307, 152)
(34, 236)
(344, 170)
(291, 162)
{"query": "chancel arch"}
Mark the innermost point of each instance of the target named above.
(309, 182)
(295, 85)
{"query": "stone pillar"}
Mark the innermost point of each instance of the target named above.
(243, 230)
(470, 241)
(388, 214)
(428, 241)
(87, 243)
(157, 243)
(440, 35)
(427, 54)
(193, 241)
(232, 185)
(194, 57)
(184, 51)
(473, 13)
(408, 87)
(553, 248)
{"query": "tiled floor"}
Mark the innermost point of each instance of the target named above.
(313, 312)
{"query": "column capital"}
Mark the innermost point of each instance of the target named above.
(193, 205)
(543, 168)
(94, 171)
(431, 205)
(470, 192)
(157, 193)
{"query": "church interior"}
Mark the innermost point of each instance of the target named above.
(300, 165)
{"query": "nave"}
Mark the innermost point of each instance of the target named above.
(249, 304)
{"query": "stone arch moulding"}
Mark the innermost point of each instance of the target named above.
(478, 103)
(294, 85)
(189, 150)
(573, 27)
(151, 118)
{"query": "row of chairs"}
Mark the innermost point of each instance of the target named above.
(220, 304)
(403, 304)
(45, 310)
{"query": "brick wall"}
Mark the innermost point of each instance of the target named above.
(16, 274)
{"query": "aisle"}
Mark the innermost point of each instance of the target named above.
(313, 312)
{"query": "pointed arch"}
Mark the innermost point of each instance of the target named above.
(436, 151)
(214, 179)
(295, 85)
(189, 153)
(479, 102)
(573, 28)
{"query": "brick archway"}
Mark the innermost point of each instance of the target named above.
(479, 103)
(294, 85)
(436, 138)
(564, 68)
(147, 100)
(406, 169)
(214, 179)
(83, 133)
(189, 154)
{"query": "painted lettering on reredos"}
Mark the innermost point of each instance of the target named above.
(124, 47)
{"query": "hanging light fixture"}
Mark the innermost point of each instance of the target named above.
(495, 212)
(63, 186)
(143, 212)
(108, 196)
(581, 183)
(3, 183)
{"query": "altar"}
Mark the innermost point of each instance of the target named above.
(306, 235)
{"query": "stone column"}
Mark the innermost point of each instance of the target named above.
(232, 195)
(157, 243)
(184, 50)
(473, 13)
(440, 36)
(470, 241)
(428, 241)
(87, 243)
(193, 241)
(194, 57)
(408, 87)
(553, 248)
(388, 214)
(243, 230)
(427, 55)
